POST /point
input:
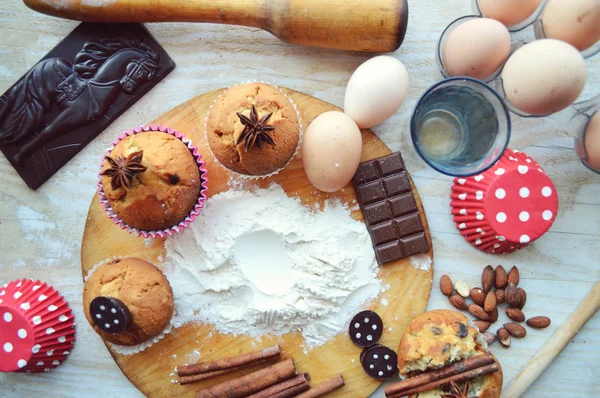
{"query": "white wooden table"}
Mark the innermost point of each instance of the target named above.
(41, 231)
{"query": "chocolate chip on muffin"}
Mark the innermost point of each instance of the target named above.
(253, 129)
(128, 301)
(151, 180)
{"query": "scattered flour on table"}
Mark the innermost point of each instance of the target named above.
(260, 262)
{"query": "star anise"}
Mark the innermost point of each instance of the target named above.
(255, 131)
(123, 170)
(457, 392)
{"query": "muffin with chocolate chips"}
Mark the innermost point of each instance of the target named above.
(253, 129)
(151, 180)
(437, 339)
(128, 301)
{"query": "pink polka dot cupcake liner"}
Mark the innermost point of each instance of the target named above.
(196, 210)
(507, 207)
(37, 328)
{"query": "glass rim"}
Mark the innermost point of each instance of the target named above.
(460, 79)
(581, 138)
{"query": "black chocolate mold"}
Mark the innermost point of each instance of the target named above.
(88, 80)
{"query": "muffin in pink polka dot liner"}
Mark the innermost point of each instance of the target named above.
(507, 207)
(37, 328)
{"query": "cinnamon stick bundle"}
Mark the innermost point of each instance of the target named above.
(287, 389)
(227, 365)
(457, 372)
(323, 388)
(252, 382)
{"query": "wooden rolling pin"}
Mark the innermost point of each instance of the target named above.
(555, 345)
(360, 25)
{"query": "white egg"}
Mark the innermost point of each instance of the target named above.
(331, 150)
(376, 90)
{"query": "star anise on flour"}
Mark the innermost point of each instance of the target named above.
(457, 392)
(122, 170)
(255, 131)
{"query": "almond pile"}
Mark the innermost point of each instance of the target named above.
(497, 287)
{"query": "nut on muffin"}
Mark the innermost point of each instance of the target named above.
(439, 338)
(151, 180)
(142, 288)
(256, 144)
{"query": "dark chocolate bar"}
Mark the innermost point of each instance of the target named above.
(389, 208)
(88, 80)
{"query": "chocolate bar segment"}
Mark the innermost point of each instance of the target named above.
(69, 97)
(389, 208)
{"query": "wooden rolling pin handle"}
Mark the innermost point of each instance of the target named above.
(555, 345)
(360, 25)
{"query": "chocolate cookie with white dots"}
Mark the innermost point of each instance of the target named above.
(110, 314)
(366, 328)
(379, 362)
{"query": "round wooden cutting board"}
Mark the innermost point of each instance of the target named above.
(152, 370)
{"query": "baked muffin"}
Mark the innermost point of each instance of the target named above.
(253, 129)
(128, 301)
(151, 180)
(437, 339)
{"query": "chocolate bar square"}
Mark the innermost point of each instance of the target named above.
(390, 210)
(389, 252)
(79, 88)
(377, 213)
(384, 233)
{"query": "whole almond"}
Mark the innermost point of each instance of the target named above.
(478, 312)
(493, 314)
(489, 337)
(503, 337)
(490, 302)
(515, 330)
(457, 301)
(522, 298)
(501, 279)
(446, 285)
(539, 322)
(499, 296)
(462, 288)
(487, 279)
(478, 296)
(512, 295)
(515, 314)
(513, 275)
(482, 325)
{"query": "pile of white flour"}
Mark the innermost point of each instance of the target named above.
(259, 262)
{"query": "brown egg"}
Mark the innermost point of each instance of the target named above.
(592, 141)
(476, 48)
(575, 21)
(544, 76)
(509, 12)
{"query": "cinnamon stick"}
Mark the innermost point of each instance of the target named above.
(252, 382)
(205, 376)
(232, 363)
(454, 369)
(287, 389)
(458, 378)
(323, 388)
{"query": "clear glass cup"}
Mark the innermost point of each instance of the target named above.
(460, 127)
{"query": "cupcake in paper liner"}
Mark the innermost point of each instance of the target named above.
(129, 303)
(37, 328)
(152, 181)
(507, 207)
(253, 130)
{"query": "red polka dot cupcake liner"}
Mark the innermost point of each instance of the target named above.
(507, 207)
(37, 328)
(196, 210)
